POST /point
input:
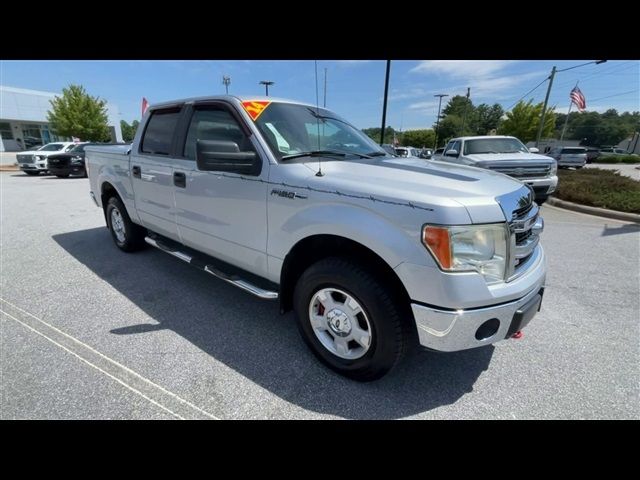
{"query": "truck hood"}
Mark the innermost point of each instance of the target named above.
(522, 158)
(428, 183)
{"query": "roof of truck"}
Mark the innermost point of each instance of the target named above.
(482, 136)
(243, 98)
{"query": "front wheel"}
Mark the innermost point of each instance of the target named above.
(349, 319)
(127, 236)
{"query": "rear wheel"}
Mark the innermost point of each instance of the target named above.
(127, 236)
(349, 319)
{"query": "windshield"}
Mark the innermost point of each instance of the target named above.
(52, 147)
(574, 150)
(494, 145)
(292, 129)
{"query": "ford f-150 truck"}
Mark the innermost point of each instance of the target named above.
(290, 202)
(507, 155)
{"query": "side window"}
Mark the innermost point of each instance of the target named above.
(453, 146)
(448, 147)
(159, 132)
(69, 147)
(214, 124)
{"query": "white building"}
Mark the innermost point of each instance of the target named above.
(23, 119)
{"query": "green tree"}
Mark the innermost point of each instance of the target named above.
(374, 134)
(129, 131)
(78, 114)
(488, 118)
(418, 138)
(523, 121)
(459, 118)
(450, 126)
(595, 129)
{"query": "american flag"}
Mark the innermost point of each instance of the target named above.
(145, 105)
(577, 97)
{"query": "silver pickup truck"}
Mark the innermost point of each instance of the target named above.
(506, 155)
(290, 202)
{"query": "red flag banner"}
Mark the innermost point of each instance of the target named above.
(578, 99)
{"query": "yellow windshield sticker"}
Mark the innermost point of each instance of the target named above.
(255, 108)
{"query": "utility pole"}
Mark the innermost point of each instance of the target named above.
(324, 103)
(384, 104)
(266, 84)
(466, 107)
(544, 106)
(440, 95)
(226, 81)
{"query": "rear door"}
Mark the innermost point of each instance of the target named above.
(221, 213)
(152, 172)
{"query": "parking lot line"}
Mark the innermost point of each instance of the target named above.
(157, 395)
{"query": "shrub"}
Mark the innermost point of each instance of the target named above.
(617, 159)
(599, 188)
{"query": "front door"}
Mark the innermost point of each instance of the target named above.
(221, 213)
(152, 173)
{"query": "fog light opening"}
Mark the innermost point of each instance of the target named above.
(488, 329)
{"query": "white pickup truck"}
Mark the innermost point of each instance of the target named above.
(374, 253)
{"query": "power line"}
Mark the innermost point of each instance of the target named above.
(613, 69)
(530, 91)
(615, 95)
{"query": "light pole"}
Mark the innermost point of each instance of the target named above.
(266, 84)
(554, 70)
(440, 95)
(226, 81)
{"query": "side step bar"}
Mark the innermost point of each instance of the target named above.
(232, 279)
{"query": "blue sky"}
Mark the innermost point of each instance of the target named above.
(354, 88)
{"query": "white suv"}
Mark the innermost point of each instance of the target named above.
(35, 161)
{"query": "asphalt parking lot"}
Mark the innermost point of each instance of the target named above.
(90, 332)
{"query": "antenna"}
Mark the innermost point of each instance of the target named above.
(319, 172)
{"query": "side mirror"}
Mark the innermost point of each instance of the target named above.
(534, 150)
(451, 153)
(225, 156)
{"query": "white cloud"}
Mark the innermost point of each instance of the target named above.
(414, 92)
(427, 106)
(461, 68)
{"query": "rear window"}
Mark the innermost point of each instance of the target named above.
(159, 132)
(52, 147)
(574, 150)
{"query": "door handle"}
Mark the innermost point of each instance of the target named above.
(135, 170)
(180, 179)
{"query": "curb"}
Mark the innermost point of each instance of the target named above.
(600, 212)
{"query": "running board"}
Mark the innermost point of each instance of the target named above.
(210, 269)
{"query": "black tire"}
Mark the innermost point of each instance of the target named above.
(85, 174)
(133, 234)
(33, 174)
(390, 336)
(66, 175)
(541, 199)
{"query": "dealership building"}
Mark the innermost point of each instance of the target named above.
(23, 119)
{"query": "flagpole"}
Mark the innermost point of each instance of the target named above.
(566, 120)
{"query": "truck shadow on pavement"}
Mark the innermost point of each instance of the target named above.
(251, 337)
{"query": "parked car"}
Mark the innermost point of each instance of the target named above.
(506, 155)
(389, 149)
(592, 154)
(569, 156)
(34, 162)
(607, 152)
(437, 154)
(426, 153)
(407, 152)
(372, 252)
(69, 163)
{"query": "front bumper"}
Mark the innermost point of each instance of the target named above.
(67, 170)
(542, 186)
(40, 167)
(453, 330)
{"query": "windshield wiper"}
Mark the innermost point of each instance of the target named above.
(377, 154)
(319, 153)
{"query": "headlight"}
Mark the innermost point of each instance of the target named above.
(554, 169)
(39, 157)
(479, 248)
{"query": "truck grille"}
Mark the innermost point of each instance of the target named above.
(533, 171)
(25, 158)
(524, 227)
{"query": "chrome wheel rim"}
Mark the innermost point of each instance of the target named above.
(117, 224)
(340, 323)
